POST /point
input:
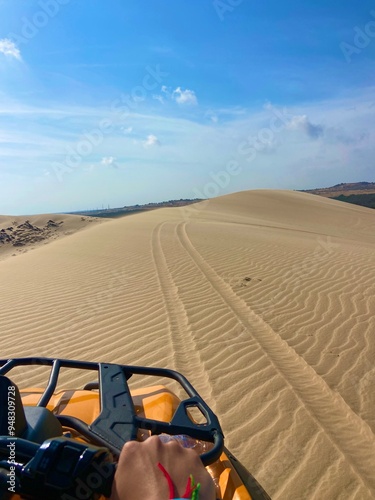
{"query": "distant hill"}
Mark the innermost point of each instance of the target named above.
(359, 193)
(345, 189)
(365, 200)
(133, 209)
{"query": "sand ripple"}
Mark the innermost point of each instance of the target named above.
(265, 300)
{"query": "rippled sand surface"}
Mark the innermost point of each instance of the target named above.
(265, 300)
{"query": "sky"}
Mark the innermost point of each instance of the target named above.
(113, 103)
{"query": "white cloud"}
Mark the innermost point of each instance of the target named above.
(151, 141)
(178, 95)
(167, 94)
(345, 151)
(109, 161)
(184, 96)
(126, 130)
(302, 122)
(159, 98)
(9, 48)
(212, 116)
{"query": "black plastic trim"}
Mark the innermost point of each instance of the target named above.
(117, 422)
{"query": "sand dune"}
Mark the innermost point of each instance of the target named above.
(19, 234)
(263, 299)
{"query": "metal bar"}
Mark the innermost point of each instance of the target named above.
(51, 386)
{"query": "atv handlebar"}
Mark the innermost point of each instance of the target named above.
(61, 465)
(118, 422)
(59, 468)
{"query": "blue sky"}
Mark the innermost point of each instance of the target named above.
(117, 103)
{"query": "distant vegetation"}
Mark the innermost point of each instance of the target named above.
(358, 193)
(365, 200)
(111, 213)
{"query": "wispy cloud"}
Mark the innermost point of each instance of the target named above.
(126, 130)
(33, 143)
(159, 98)
(109, 161)
(151, 141)
(303, 123)
(9, 49)
(212, 116)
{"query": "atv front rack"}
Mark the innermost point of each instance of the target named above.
(117, 422)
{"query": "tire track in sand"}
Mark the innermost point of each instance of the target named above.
(347, 431)
(185, 351)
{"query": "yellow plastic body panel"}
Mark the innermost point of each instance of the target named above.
(155, 402)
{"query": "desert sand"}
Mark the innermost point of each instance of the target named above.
(265, 300)
(20, 234)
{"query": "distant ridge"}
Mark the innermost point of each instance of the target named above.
(133, 209)
(358, 193)
(345, 188)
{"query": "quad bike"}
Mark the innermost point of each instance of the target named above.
(64, 444)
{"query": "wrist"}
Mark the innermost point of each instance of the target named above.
(191, 490)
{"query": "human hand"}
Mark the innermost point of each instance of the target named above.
(139, 477)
